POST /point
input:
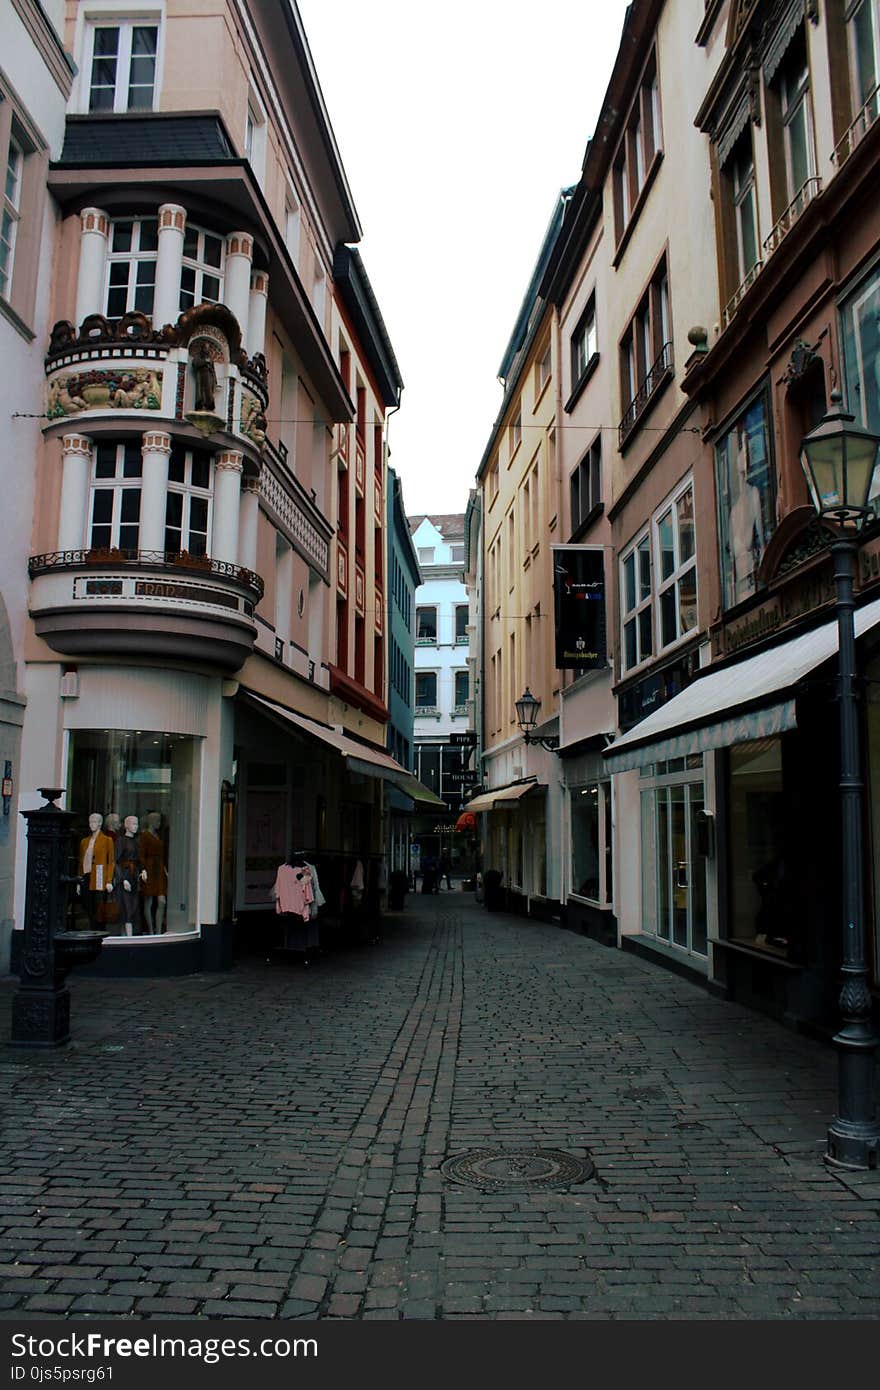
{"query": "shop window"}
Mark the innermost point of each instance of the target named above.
(118, 773)
(763, 898)
(201, 276)
(121, 65)
(115, 505)
(426, 690)
(591, 842)
(426, 625)
(745, 498)
(188, 503)
(131, 266)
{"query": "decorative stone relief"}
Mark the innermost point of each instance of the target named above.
(252, 421)
(140, 389)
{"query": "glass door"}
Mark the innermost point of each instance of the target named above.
(680, 868)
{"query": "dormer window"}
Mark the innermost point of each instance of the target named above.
(121, 65)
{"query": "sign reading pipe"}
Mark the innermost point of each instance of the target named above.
(579, 603)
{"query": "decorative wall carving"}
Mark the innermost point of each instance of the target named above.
(138, 389)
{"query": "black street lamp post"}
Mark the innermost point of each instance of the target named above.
(839, 459)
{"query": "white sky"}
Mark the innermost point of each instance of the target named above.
(457, 125)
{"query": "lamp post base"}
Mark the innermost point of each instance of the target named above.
(853, 1146)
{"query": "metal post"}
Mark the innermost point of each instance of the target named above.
(854, 1136)
(41, 1005)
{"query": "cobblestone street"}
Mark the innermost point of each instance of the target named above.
(266, 1143)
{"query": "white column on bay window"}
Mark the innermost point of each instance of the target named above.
(237, 278)
(248, 522)
(256, 338)
(156, 451)
(228, 467)
(92, 279)
(169, 260)
(76, 469)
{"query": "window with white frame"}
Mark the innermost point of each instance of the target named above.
(426, 624)
(131, 266)
(543, 367)
(646, 351)
(676, 568)
(201, 275)
(188, 502)
(584, 343)
(11, 212)
(115, 504)
(516, 432)
(659, 581)
(121, 58)
(255, 135)
(639, 145)
(461, 623)
(461, 689)
(426, 555)
(636, 603)
(426, 689)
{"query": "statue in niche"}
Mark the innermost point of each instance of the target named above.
(206, 377)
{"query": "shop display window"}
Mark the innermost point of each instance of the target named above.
(591, 843)
(763, 904)
(116, 774)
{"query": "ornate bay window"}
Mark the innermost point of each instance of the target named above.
(115, 505)
(201, 279)
(188, 504)
(131, 266)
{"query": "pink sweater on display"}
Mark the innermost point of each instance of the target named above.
(293, 891)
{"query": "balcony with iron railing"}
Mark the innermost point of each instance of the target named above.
(858, 130)
(739, 294)
(660, 372)
(801, 200)
(156, 604)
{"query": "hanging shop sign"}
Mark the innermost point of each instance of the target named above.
(579, 606)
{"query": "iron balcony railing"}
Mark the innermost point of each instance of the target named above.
(736, 298)
(858, 130)
(660, 372)
(801, 200)
(145, 559)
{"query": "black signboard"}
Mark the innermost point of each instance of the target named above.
(579, 602)
(467, 739)
(464, 778)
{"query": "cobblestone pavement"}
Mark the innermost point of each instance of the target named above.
(266, 1143)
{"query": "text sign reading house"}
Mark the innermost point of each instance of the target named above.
(579, 603)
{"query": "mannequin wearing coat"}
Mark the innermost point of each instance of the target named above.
(130, 874)
(155, 885)
(97, 862)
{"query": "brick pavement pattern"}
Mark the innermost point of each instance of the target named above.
(267, 1143)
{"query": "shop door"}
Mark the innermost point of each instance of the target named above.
(681, 869)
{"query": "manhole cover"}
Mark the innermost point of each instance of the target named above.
(516, 1170)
